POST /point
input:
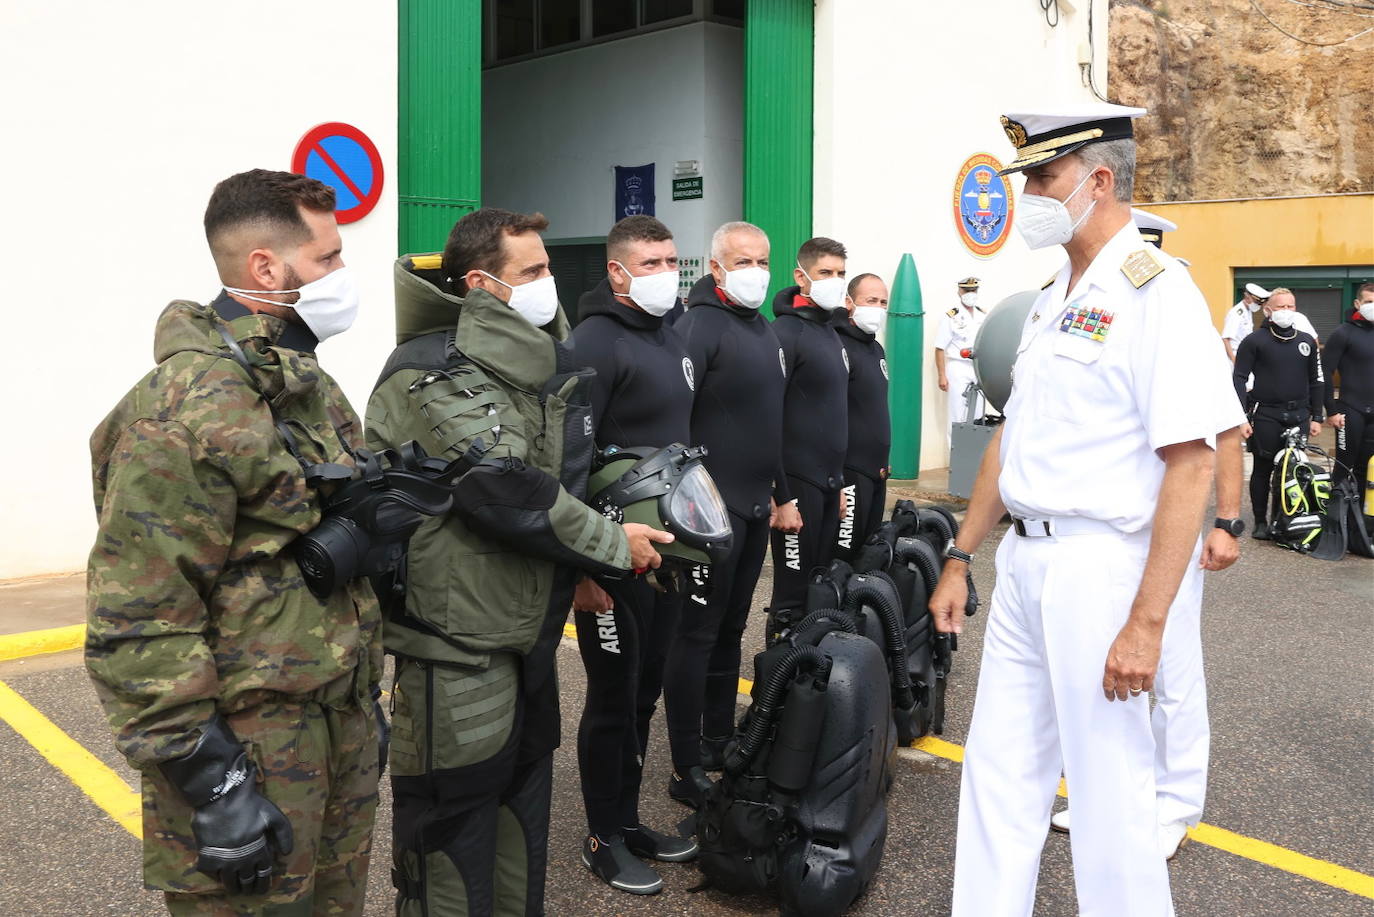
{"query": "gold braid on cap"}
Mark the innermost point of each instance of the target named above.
(1058, 143)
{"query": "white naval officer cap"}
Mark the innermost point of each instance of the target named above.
(1046, 134)
(1257, 291)
(1152, 227)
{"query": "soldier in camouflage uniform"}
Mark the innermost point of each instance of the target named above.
(243, 699)
(481, 365)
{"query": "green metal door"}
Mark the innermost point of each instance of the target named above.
(779, 39)
(439, 119)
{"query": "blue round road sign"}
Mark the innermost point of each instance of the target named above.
(347, 160)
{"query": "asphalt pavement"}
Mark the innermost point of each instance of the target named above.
(1290, 675)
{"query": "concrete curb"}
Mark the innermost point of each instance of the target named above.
(39, 642)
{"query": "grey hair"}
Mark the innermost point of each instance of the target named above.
(1117, 155)
(724, 232)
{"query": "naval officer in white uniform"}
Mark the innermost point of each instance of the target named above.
(1105, 463)
(954, 338)
(1179, 718)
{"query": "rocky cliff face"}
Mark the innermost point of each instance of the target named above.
(1238, 109)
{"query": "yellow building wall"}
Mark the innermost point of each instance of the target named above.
(1218, 236)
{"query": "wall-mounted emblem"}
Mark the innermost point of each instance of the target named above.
(983, 205)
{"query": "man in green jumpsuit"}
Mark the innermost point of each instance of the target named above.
(482, 371)
(244, 700)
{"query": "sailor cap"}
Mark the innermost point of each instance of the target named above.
(1151, 226)
(1042, 136)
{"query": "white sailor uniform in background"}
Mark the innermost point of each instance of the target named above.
(1240, 321)
(1127, 366)
(958, 329)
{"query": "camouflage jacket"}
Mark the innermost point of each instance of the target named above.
(194, 600)
(491, 580)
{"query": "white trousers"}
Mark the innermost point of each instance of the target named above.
(1179, 721)
(1057, 606)
(960, 374)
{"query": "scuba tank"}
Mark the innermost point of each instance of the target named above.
(908, 548)
(1298, 495)
(800, 810)
(1369, 488)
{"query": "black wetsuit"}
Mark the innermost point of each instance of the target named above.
(815, 437)
(1349, 351)
(738, 418)
(641, 396)
(1288, 392)
(870, 437)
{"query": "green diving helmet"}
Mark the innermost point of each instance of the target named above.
(669, 489)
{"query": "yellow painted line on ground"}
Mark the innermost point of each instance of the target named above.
(109, 791)
(1271, 855)
(106, 788)
(38, 642)
(1357, 883)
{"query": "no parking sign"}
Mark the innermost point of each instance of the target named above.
(347, 160)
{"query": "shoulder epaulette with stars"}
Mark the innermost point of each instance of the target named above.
(953, 312)
(1141, 267)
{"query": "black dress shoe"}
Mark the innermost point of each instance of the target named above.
(644, 841)
(615, 865)
(1261, 532)
(692, 789)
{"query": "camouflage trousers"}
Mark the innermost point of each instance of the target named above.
(317, 762)
(471, 780)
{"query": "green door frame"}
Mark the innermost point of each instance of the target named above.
(1346, 278)
(779, 70)
(439, 117)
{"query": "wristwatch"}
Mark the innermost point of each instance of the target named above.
(1233, 527)
(953, 553)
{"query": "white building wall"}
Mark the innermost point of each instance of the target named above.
(555, 127)
(904, 94)
(119, 119)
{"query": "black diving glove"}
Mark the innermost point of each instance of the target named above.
(383, 728)
(238, 831)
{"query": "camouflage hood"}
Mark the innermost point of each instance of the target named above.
(282, 372)
(488, 331)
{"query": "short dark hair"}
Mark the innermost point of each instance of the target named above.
(268, 200)
(854, 283)
(475, 243)
(812, 249)
(638, 228)
(1364, 288)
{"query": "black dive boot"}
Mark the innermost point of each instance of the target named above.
(690, 790)
(713, 753)
(644, 841)
(615, 865)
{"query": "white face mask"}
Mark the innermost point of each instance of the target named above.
(747, 287)
(1044, 221)
(1254, 306)
(656, 294)
(1283, 318)
(328, 306)
(1367, 311)
(827, 293)
(536, 301)
(869, 318)
(969, 299)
